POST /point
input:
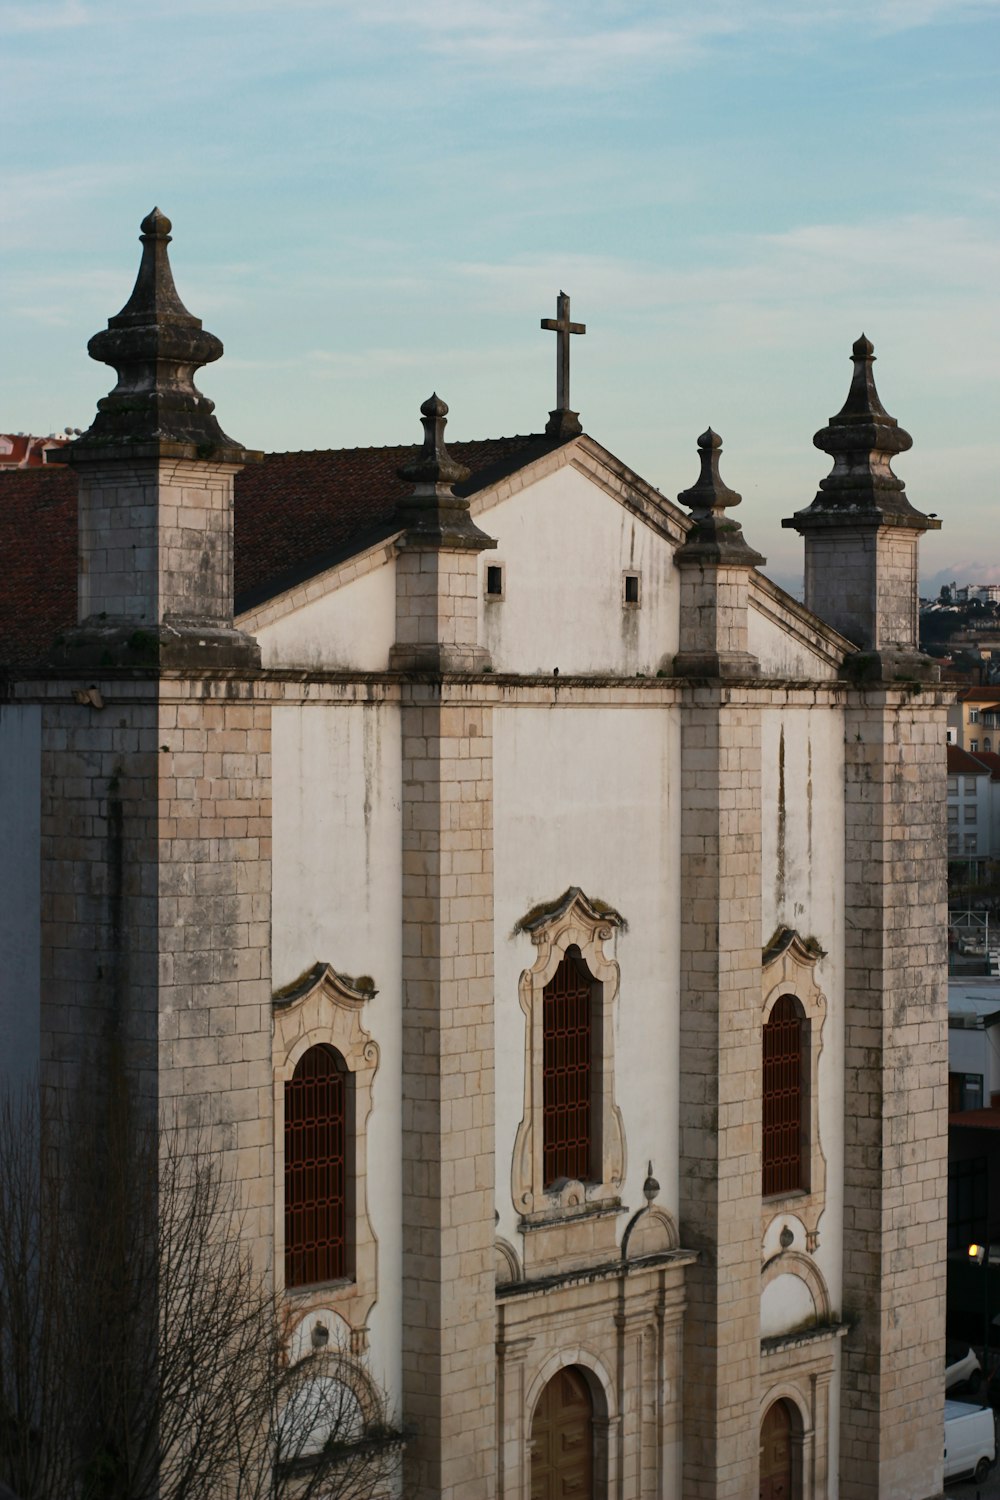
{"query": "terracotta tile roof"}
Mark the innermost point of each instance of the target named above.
(37, 560)
(980, 695)
(298, 513)
(991, 760)
(960, 760)
(19, 450)
(295, 514)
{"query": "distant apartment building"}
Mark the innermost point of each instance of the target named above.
(968, 593)
(973, 804)
(974, 720)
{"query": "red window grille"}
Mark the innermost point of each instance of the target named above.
(782, 1124)
(566, 1075)
(316, 1170)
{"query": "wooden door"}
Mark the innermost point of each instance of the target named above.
(562, 1440)
(776, 1453)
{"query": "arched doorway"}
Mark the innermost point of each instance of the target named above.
(776, 1453)
(562, 1439)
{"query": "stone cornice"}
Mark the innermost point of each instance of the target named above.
(291, 685)
(609, 1271)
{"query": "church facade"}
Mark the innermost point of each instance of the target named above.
(544, 910)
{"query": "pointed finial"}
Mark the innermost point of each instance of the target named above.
(434, 466)
(433, 515)
(709, 496)
(155, 345)
(650, 1187)
(863, 439)
(862, 399)
(714, 535)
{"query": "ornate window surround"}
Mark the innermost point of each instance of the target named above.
(325, 1008)
(789, 968)
(572, 921)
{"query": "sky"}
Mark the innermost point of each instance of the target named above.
(375, 200)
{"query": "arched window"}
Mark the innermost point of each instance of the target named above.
(566, 1072)
(317, 1179)
(783, 1159)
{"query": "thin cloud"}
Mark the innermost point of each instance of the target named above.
(915, 252)
(566, 42)
(38, 16)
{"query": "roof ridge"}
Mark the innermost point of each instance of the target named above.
(514, 437)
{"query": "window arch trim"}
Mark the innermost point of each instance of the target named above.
(574, 921)
(789, 969)
(325, 1008)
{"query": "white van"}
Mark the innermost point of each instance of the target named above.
(970, 1442)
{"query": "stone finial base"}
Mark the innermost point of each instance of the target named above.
(105, 642)
(891, 664)
(724, 664)
(437, 657)
(563, 424)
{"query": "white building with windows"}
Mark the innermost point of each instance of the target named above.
(973, 804)
(974, 720)
(543, 909)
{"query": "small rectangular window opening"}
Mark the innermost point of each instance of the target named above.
(494, 581)
(631, 595)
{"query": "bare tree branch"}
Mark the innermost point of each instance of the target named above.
(143, 1355)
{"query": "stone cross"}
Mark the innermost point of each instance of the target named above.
(562, 326)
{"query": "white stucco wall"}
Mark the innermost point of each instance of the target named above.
(352, 624)
(587, 800)
(20, 890)
(781, 654)
(802, 760)
(564, 545)
(786, 1304)
(337, 882)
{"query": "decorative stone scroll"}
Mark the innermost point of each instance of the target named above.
(789, 968)
(572, 921)
(323, 1008)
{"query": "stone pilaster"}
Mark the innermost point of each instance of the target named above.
(720, 1108)
(895, 1059)
(448, 1089)
(156, 774)
(720, 1102)
(156, 827)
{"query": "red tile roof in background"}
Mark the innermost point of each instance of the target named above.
(991, 760)
(19, 450)
(295, 514)
(964, 761)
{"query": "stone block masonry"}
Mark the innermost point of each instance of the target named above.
(156, 827)
(156, 541)
(895, 1060)
(448, 1090)
(720, 1102)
